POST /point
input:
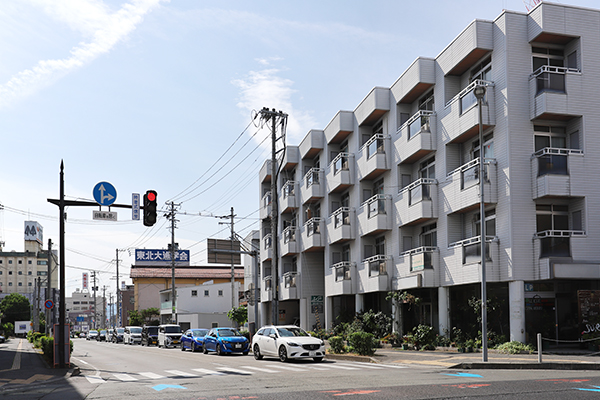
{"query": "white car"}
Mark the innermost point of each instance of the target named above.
(132, 335)
(169, 335)
(286, 342)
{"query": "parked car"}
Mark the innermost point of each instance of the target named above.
(117, 336)
(169, 335)
(109, 334)
(193, 339)
(92, 335)
(132, 335)
(2, 339)
(101, 337)
(225, 341)
(82, 335)
(150, 335)
(286, 342)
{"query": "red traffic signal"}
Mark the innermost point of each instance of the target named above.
(150, 208)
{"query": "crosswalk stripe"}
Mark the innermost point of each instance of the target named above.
(322, 367)
(180, 373)
(270, 371)
(207, 371)
(393, 366)
(362, 365)
(340, 366)
(151, 375)
(287, 368)
(235, 371)
(125, 377)
(94, 379)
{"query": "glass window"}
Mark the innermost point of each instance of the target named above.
(194, 293)
(552, 217)
(206, 293)
(482, 71)
(427, 102)
(490, 223)
(429, 235)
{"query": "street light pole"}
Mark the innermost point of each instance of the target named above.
(479, 92)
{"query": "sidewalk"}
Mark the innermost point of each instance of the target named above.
(451, 358)
(21, 364)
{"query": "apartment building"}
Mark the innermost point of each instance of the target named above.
(386, 197)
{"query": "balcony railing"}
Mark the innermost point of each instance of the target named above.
(375, 145)
(312, 177)
(288, 189)
(467, 96)
(419, 122)
(313, 226)
(556, 243)
(472, 248)
(289, 279)
(289, 234)
(266, 199)
(376, 205)
(550, 78)
(268, 241)
(268, 282)
(419, 190)
(341, 163)
(469, 172)
(377, 265)
(420, 258)
(342, 271)
(341, 216)
(554, 160)
(166, 305)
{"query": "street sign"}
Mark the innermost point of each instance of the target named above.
(49, 304)
(104, 215)
(135, 206)
(104, 193)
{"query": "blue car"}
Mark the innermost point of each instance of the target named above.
(193, 339)
(225, 341)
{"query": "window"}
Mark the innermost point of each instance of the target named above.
(490, 223)
(29, 284)
(20, 261)
(220, 293)
(206, 293)
(10, 261)
(548, 68)
(488, 145)
(20, 273)
(10, 272)
(0, 272)
(380, 245)
(483, 70)
(75, 302)
(546, 56)
(29, 262)
(29, 272)
(428, 236)
(9, 283)
(427, 102)
(552, 217)
(194, 293)
(20, 283)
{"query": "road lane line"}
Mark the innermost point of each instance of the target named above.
(17, 360)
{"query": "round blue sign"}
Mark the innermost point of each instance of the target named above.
(104, 193)
(49, 304)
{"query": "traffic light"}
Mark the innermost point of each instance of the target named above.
(150, 208)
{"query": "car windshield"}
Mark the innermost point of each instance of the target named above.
(93, 332)
(292, 332)
(120, 330)
(229, 332)
(135, 330)
(199, 332)
(103, 332)
(153, 330)
(172, 329)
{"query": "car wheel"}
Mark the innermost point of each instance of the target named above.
(204, 349)
(182, 347)
(194, 349)
(318, 359)
(283, 354)
(219, 351)
(245, 353)
(256, 352)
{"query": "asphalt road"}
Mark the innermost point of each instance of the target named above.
(117, 371)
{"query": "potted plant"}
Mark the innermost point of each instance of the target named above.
(469, 344)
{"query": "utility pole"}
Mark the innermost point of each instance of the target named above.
(49, 319)
(232, 215)
(95, 325)
(110, 313)
(276, 117)
(103, 307)
(118, 308)
(171, 215)
(36, 305)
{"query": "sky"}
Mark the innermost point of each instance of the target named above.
(158, 94)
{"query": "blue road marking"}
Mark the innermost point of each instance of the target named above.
(158, 388)
(465, 374)
(590, 390)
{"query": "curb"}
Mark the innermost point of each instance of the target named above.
(540, 366)
(348, 357)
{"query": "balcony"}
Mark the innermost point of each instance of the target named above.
(288, 241)
(340, 173)
(313, 237)
(463, 114)
(465, 256)
(266, 252)
(373, 157)
(339, 127)
(374, 274)
(265, 208)
(266, 294)
(558, 173)
(417, 202)
(556, 92)
(467, 48)
(288, 201)
(342, 277)
(423, 261)
(291, 157)
(264, 174)
(166, 307)
(313, 186)
(340, 225)
(373, 107)
(312, 144)
(374, 215)
(461, 190)
(416, 137)
(415, 81)
(555, 252)
(289, 289)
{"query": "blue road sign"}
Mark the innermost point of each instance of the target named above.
(105, 194)
(49, 304)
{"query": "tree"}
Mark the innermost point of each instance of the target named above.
(238, 315)
(135, 318)
(148, 313)
(15, 307)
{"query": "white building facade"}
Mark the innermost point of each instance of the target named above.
(386, 197)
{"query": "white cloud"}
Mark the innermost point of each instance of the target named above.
(265, 88)
(90, 18)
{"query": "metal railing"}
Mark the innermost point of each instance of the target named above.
(418, 190)
(268, 241)
(377, 265)
(342, 271)
(468, 91)
(341, 216)
(313, 226)
(289, 279)
(312, 177)
(551, 78)
(341, 162)
(375, 145)
(376, 205)
(417, 123)
(289, 234)
(553, 160)
(288, 189)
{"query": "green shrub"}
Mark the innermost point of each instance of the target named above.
(424, 336)
(47, 346)
(336, 344)
(362, 343)
(515, 347)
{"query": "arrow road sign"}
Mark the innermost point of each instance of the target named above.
(104, 193)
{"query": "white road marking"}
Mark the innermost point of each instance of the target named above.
(235, 371)
(287, 367)
(181, 373)
(94, 379)
(270, 371)
(151, 375)
(362, 365)
(207, 371)
(125, 377)
(340, 366)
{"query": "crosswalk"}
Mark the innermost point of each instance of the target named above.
(248, 370)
